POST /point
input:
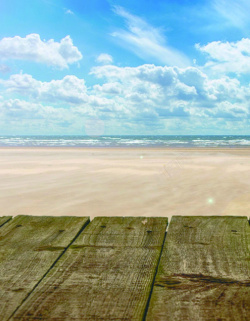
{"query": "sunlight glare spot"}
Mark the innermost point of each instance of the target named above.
(210, 200)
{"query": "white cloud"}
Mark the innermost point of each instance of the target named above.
(171, 91)
(146, 96)
(236, 13)
(32, 48)
(228, 56)
(104, 58)
(68, 11)
(228, 110)
(29, 117)
(146, 41)
(4, 69)
(20, 109)
(70, 89)
(114, 88)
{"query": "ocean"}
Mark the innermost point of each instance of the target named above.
(180, 141)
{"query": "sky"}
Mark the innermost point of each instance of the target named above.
(106, 67)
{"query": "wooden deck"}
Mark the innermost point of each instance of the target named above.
(124, 268)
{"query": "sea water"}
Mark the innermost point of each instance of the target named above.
(128, 141)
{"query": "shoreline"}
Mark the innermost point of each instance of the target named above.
(150, 148)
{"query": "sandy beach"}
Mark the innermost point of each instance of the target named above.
(124, 182)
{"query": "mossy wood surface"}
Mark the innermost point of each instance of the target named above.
(29, 246)
(106, 274)
(4, 220)
(109, 270)
(204, 272)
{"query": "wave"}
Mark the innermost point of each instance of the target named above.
(125, 141)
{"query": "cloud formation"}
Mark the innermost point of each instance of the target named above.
(236, 13)
(104, 58)
(139, 91)
(68, 11)
(4, 69)
(32, 48)
(70, 89)
(228, 56)
(172, 91)
(146, 41)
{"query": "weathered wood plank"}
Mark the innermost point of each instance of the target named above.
(124, 232)
(106, 274)
(29, 245)
(4, 219)
(204, 271)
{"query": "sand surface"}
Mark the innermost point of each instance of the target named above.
(124, 182)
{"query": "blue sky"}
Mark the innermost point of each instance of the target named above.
(124, 67)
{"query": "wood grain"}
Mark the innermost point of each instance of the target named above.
(124, 232)
(106, 274)
(204, 271)
(4, 220)
(29, 245)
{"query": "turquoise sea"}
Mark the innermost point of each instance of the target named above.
(127, 141)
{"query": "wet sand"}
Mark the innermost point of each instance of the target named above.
(124, 182)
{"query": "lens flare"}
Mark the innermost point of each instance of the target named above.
(210, 200)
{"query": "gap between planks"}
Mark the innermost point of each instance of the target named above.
(4, 220)
(156, 271)
(51, 267)
(86, 240)
(73, 240)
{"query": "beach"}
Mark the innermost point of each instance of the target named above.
(124, 181)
